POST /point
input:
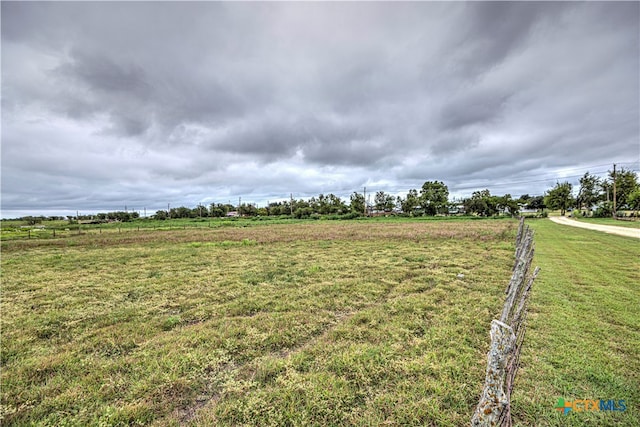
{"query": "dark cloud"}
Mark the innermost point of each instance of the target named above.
(497, 29)
(472, 108)
(181, 102)
(102, 74)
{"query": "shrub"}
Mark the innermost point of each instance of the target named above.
(603, 211)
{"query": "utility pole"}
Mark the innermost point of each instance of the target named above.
(364, 197)
(240, 206)
(169, 210)
(291, 203)
(614, 190)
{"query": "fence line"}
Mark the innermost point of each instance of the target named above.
(75, 230)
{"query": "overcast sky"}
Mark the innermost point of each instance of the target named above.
(143, 104)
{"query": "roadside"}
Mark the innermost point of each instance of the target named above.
(612, 229)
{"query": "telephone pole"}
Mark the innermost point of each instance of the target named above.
(614, 190)
(291, 203)
(364, 197)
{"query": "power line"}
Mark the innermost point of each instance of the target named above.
(502, 184)
(345, 194)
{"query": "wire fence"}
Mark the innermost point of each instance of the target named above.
(71, 230)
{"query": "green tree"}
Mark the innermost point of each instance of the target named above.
(589, 193)
(336, 205)
(357, 203)
(121, 216)
(604, 210)
(537, 203)
(279, 208)
(560, 197)
(218, 210)
(287, 207)
(626, 183)
(384, 202)
(302, 209)
(524, 199)
(199, 211)
(481, 203)
(32, 220)
(633, 200)
(409, 203)
(317, 205)
(249, 209)
(434, 197)
(508, 204)
(181, 212)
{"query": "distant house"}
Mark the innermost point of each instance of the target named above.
(456, 209)
(528, 211)
(523, 209)
(232, 214)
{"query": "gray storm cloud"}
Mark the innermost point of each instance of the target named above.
(149, 102)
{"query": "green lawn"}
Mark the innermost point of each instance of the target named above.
(583, 338)
(310, 323)
(611, 221)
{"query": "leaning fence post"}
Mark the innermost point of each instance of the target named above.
(494, 400)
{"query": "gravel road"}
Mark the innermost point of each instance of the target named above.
(612, 229)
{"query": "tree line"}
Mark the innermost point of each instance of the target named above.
(430, 200)
(594, 197)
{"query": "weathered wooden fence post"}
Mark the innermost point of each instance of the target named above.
(507, 336)
(494, 400)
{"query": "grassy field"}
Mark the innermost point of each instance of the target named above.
(18, 229)
(56, 229)
(310, 323)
